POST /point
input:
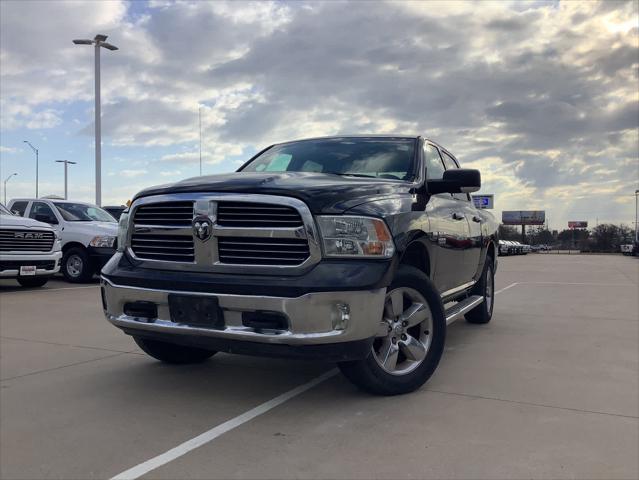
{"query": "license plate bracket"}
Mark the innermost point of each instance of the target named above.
(196, 311)
(27, 270)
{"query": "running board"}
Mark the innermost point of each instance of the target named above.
(462, 307)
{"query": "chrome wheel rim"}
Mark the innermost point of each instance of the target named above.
(490, 287)
(405, 332)
(74, 265)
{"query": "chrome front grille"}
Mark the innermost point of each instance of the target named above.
(245, 214)
(157, 232)
(263, 251)
(223, 232)
(26, 240)
(178, 214)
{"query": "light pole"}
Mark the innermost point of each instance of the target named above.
(36, 152)
(5, 187)
(199, 115)
(66, 166)
(98, 41)
(636, 218)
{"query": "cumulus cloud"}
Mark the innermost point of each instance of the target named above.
(542, 96)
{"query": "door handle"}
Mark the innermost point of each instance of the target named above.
(476, 219)
(458, 216)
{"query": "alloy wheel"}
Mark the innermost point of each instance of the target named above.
(405, 332)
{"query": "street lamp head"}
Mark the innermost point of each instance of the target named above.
(100, 37)
(83, 42)
(108, 46)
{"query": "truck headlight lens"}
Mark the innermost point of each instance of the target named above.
(350, 236)
(102, 241)
(123, 228)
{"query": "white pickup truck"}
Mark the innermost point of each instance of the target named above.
(30, 251)
(87, 232)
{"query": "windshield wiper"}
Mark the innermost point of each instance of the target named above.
(341, 174)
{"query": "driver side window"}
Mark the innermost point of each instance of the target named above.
(434, 166)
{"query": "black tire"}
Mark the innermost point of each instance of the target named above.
(33, 281)
(368, 375)
(486, 288)
(76, 265)
(173, 353)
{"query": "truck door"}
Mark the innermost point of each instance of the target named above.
(465, 208)
(449, 231)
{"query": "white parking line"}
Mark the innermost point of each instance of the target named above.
(506, 288)
(206, 437)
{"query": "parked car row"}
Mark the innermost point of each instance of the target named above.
(87, 233)
(510, 247)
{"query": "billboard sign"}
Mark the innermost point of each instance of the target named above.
(484, 201)
(523, 217)
(577, 224)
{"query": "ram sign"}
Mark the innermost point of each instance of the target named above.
(523, 217)
(484, 201)
(578, 224)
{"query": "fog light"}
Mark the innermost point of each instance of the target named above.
(343, 315)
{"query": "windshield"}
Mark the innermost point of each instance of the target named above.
(390, 157)
(79, 212)
(4, 211)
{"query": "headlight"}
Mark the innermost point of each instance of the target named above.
(350, 236)
(123, 227)
(104, 241)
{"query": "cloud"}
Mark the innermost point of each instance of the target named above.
(132, 173)
(8, 150)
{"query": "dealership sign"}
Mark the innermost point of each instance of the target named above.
(484, 201)
(577, 224)
(523, 217)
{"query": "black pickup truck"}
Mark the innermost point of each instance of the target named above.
(358, 250)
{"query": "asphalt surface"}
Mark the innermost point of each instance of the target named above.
(548, 389)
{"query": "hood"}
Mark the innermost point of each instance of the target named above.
(97, 228)
(16, 221)
(322, 192)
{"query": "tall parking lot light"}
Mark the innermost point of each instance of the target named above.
(98, 41)
(35, 150)
(636, 218)
(66, 166)
(5, 187)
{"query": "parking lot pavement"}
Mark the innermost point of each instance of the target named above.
(549, 389)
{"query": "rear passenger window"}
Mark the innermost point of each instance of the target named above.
(19, 208)
(434, 166)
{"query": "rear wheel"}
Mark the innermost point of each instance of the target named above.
(172, 353)
(483, 312)
(76, 266)
(410, 340)
(33, 281)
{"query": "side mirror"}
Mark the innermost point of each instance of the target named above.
(460, 180)
(40, 217)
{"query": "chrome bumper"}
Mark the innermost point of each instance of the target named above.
(25, 258)
(313, 319)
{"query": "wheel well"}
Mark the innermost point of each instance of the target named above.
(416, 256)
(68, 246)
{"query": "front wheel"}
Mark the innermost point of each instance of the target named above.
(173, 353)
(76, 265)
(33, 281)
(410, 340)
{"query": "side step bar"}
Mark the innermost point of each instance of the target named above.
(460, 308)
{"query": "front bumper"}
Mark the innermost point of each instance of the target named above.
(310, 320)
(46, 264)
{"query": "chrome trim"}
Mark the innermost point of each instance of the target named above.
(206, 253)
(461, 288)
(461, 308)
(313, 318)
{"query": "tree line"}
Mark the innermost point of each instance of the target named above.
(605, 237)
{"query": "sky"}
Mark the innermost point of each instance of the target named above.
(542, 97)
